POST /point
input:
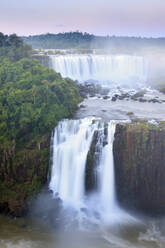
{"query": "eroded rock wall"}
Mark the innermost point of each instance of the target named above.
(139, 157)
(23, 172)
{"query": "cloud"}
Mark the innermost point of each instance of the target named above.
(60, 25)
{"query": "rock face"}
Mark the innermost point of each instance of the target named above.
(139, 157)
(91, 165)
(43, 59)
(23, 171)
(99, 140)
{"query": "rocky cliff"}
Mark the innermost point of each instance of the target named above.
(43, 59)
(23, 171)
(139, 157)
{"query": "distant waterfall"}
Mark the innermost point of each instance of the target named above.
(72, 141)
(113, 68)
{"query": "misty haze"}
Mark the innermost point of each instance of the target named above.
(82, 124)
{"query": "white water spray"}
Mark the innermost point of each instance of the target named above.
(72, 141)
(123, 69)
(107, 181)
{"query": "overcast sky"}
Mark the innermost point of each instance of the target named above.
(102, 17)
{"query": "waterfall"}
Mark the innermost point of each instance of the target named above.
(113, 68)
(72, 140)
(107, 182)
(72, 143)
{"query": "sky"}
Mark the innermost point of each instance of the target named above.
(144, 18)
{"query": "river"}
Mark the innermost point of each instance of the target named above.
(94, 221)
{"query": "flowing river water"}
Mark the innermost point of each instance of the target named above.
(93, 220)
(31, 233)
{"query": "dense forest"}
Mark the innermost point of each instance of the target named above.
(13, 48)
(81, 40)
(32, 101)
(32, 98)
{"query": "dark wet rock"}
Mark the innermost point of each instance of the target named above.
(124, 96)
(92, 95)
(137, 95)
(139, 157)
(106, 97)
(83, 106)
(154, 100)
(142, 100)
(91, 176)
(114, 98)
(50, 191)
(91, 89)
(90, 171)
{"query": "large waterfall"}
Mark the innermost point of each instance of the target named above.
(72, 142)
(112, 68)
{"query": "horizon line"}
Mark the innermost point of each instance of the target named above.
(97, 35)
(83, 32)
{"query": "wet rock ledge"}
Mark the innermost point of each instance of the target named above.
(139, 158)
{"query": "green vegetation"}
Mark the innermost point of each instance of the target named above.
(60, 41)
(32, 98)
(138, 94)
(13, 48)
(32, 101)
(130, 114)
(160, 87)
(79, 40)
(138, 124)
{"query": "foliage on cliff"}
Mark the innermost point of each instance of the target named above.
(32, 101)
(161, 87)
(139, 166)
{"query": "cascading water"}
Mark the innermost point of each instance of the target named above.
(72, 142)
(113, 68)
(107, 182)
